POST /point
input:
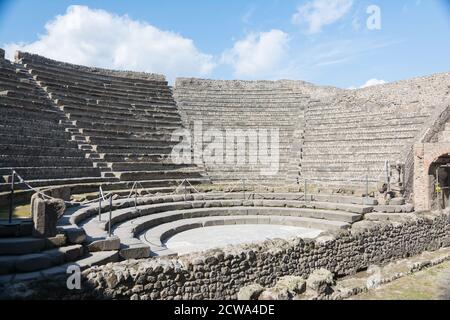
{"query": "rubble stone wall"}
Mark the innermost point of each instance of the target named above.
(220, 274)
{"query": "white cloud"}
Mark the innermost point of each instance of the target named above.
(372, 82)
(319, 13)
(259, 55)
(99, 38)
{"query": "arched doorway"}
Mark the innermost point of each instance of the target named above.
(439, 182)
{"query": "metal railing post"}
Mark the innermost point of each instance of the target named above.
(243, 189)
(185, 186)
(110, 216)
(367, 187)
(135, 199)
(367, 190)
(11, 199)
(100, 204)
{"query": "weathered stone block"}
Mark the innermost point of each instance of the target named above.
(75, 235)
(109, 244)
(251, 292)
(320, 281)
(45, 217)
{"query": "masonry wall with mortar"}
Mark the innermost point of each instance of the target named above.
(219, 274)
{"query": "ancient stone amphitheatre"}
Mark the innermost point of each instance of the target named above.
(89, 181)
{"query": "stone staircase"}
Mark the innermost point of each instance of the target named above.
(34, 141)
(24, 257)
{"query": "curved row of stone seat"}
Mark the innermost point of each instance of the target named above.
(244, 106)
(33, 141)
(127, 82)
(143, 116)
(81, 110)
(155, 237)
(164, 209)
(370, 133)
(126, 76)
(347, 210)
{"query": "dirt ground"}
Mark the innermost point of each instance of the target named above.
(430, 284)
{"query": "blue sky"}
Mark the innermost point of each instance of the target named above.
(324, 42)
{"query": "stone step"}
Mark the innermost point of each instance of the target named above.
(43, 161)
(87, 261)
(133, 149)
(35, 141)
(124, 113)
(124, 127)
(135, 157)
(156, 237)
(59, 182)
(91, 74)
(20, 246)
(18, 120)
(37, 115)
(367, 125)
(130, 142)
(68, 86)
(56, 133)
(39, 261)
(18, 228)
(158, 175)
(361, 119)
(146, 166)
(121, 121)
(33, 150)
(358, 137)
(69, 98)
(87, 76)
(151, 133)
(38, 173)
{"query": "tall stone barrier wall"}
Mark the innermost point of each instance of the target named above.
(220, 274)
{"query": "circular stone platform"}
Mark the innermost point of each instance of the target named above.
(197, 240)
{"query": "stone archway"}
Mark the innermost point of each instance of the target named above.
(428, 157)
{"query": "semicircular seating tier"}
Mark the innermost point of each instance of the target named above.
(351, 134)
(269, 115)
(34, 140)
(122, 120)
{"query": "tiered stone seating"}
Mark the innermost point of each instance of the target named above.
(143, 230)
(347, 138)
(244, 105)
(24, 257)
(123, 120)
(32, 140)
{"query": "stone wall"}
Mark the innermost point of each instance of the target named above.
(220, 274)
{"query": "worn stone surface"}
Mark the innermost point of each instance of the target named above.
(251, 292)
(45, 217)
(109, 244)
(320, 281)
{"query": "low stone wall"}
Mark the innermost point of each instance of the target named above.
(220, 274)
